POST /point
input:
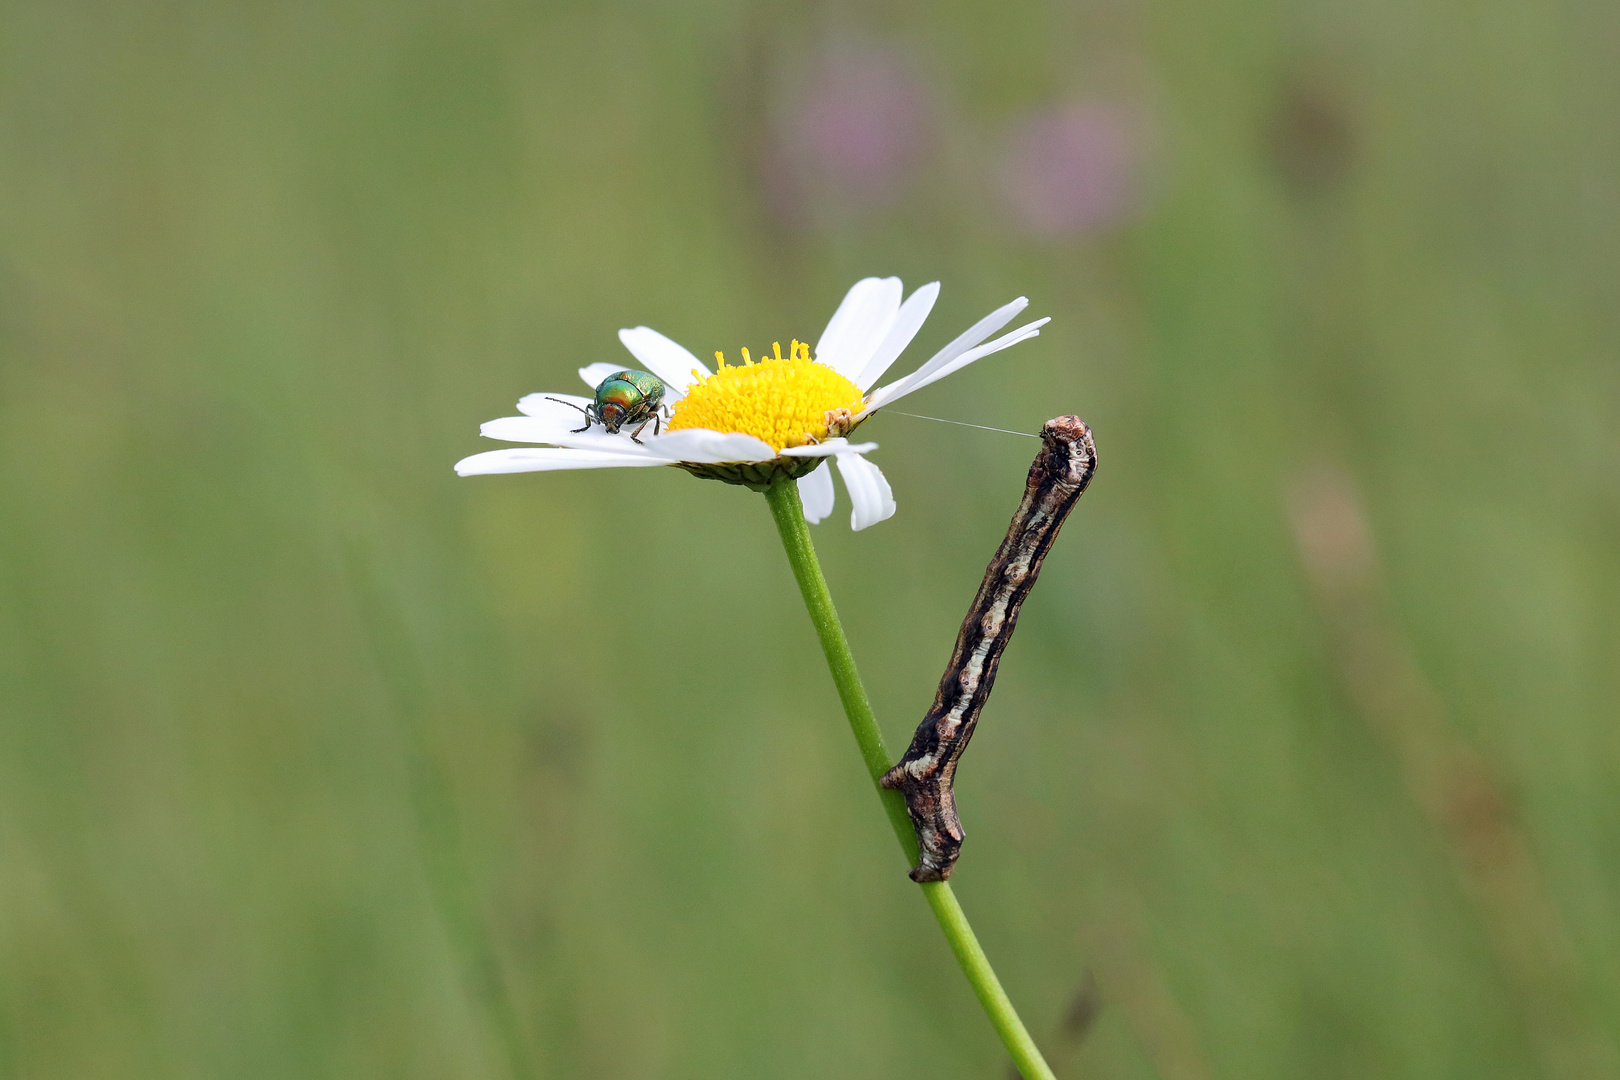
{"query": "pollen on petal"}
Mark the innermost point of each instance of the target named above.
(785, 401)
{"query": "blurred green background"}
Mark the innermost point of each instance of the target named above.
(317, 761)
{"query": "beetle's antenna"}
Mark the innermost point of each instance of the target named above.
(570, 404)
(958, 423)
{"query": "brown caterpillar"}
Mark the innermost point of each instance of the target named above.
(924, 775)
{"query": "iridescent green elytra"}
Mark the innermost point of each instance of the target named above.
(624, 398)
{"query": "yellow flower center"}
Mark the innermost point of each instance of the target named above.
(786, 401)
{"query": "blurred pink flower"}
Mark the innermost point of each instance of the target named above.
(853, 135)
(1073, 169)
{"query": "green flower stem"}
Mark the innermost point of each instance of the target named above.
(783, 497)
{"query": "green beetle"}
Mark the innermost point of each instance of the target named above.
(624, 398)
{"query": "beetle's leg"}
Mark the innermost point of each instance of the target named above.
(640, 429)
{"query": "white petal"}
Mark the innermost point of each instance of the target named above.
(701, 444)
(896, 391)
(546, 459)
(859, 325)
(522, 429)
(913, 313)
(593, 374)
(964, 341)
(542, 404)
(538, 429)
(829, 448)
(869, 491)
(671, 362)
(816, 492)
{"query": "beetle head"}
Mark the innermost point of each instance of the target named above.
(613, 416)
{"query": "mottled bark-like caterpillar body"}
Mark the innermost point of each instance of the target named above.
(924, 775)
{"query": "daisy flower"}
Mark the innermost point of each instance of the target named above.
(763, 420)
